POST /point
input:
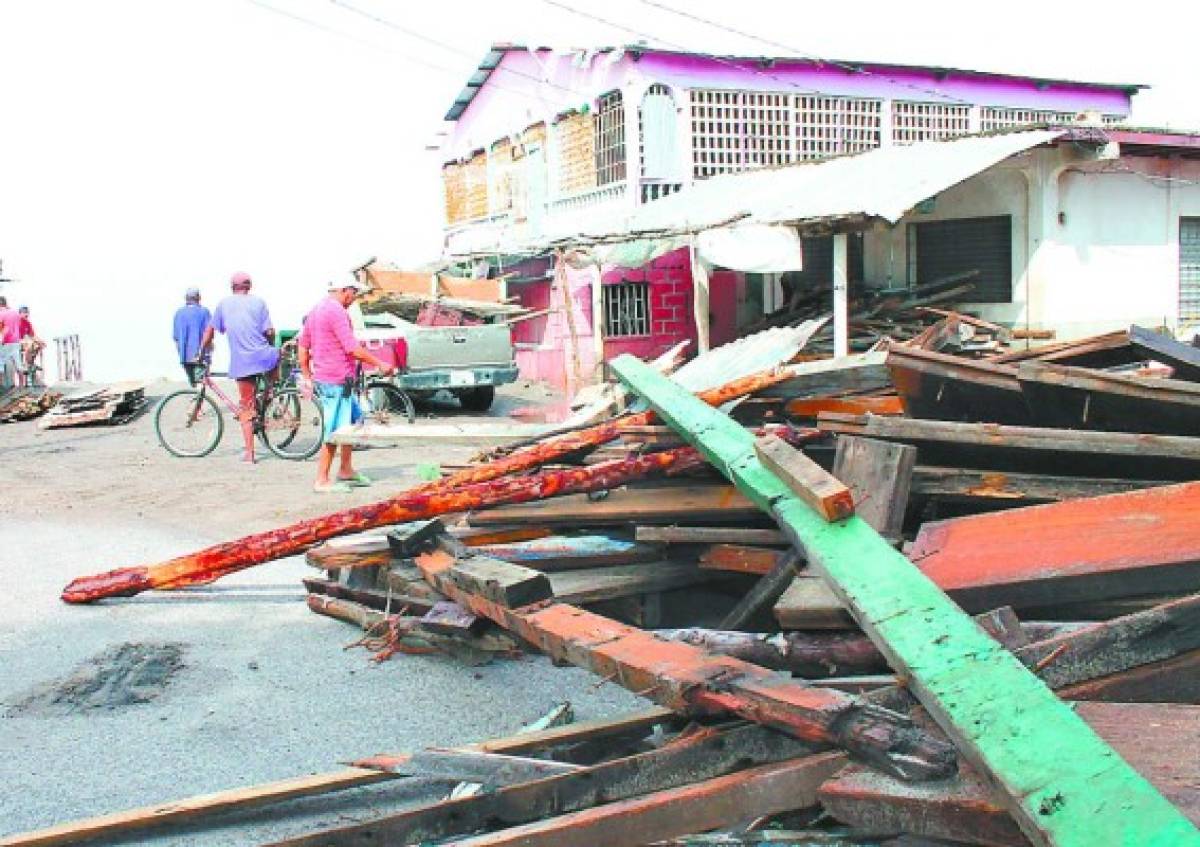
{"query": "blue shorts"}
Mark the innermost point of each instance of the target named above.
(339, 410)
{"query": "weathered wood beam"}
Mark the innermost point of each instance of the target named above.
(692, 680)
(879, 475)
(366, 772)
(765, 790)
(765, 592)
(820, 490)
(807, 654)
(692, 759)
(710, 535)
(999, 714)
(740, 558)
(488, 769)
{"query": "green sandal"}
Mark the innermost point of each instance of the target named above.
(359, 480)
(333, 488)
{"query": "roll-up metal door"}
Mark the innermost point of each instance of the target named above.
(818, 262)
(939, 249)
(1189, 271)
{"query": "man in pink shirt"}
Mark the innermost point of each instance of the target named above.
(329, 355)
(10, 343)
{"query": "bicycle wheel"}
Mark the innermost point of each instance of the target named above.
(292, 425)
(188, 423)
(385, 397)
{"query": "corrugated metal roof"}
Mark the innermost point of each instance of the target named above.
(881, 184)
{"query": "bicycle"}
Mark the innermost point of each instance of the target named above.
(189, 423)
(379, 398)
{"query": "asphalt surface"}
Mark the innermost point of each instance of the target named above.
(259, 688)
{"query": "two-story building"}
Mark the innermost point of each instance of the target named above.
(635, 153)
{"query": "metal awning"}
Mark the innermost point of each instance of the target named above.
(836, 194)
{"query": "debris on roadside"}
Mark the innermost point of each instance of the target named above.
(111, 404)
(945, 589)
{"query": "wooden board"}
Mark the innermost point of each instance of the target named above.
(1032, 449)
(765, 592)
(1149, 737)
(643, 504)
(965, 679)
(1141, 542)
(951, 388)
(739, 558)
(879, 475)
(594, 585)
(824, 493)
(710, 535)
(969, 483)
(858, 372)
(506, 584)
(809, 408)
(808, 603)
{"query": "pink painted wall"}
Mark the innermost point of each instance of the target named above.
(671, 321)
(531, 86)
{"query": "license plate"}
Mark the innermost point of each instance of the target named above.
(460, 378)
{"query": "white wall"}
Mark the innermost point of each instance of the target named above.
(1112, 259)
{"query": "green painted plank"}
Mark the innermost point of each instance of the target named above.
(1065, 786)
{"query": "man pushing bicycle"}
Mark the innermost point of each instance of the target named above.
(328, 356)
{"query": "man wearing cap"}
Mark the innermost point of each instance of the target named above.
(329, 355)
(191, 319)
(244, 320)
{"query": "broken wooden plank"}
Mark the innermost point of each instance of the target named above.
(825, 494)
(449, 618)
(572, 552)
(1174, 680)
(809, 603)
(1032, 449)
(406, 542)
(692, 759)
(710, 535)
(667, 503)
(740, 558)
(690, 680)
(507, 585)
(972, 483)
(811, 655)
(1080, 398)
(1141, 542)
(951, 388)
(809, 408)
(966, 680)
(765, 591)
(764, 790)
(192, 809)
(879, 476)
(1184, 359)
(855, 373)
(490, 770)
(599, 584)
(965, 810)
(1097, 351)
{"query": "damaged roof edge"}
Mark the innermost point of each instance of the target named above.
(495, 56)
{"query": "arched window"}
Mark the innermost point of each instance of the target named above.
(659, 135)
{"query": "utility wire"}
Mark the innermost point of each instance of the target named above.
(677, 46)
(420, 36)
(454, 72)
(846, 66)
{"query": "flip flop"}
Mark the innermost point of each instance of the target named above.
(359, 480)
(332, 488)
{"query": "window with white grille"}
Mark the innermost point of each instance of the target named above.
(1189, 271)
(831, 126)
(1113, 120)
(994, 118)
(737, 130)
(659, 137)
(610, 138)
(913, 121)
(626, 309)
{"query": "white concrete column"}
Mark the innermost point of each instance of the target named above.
(841, 284)
(700, 298)
(631, 101)
(597, 315)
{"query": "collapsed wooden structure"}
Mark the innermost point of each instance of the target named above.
(863, 627)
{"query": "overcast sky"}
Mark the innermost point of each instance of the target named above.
(149, 145)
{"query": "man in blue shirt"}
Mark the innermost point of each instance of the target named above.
(191, 319)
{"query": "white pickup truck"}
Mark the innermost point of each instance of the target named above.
(467, 361)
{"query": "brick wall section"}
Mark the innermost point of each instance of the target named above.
(575, 135)
(503, 174)
(475, 187)
(534, 134)
(454, 188)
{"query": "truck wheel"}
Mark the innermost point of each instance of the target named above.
(477, 399)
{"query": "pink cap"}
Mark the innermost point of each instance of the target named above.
(239, 279)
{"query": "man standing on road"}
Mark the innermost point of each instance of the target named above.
(10, 342)
(29, 343)
(243, 319)
(328, 357)
(191, 320)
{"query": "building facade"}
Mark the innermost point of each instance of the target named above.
(542, 144)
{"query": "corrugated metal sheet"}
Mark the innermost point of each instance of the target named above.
(748, 355)
(884, 183)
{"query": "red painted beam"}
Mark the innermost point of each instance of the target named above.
(1140, 542)
(691, 680)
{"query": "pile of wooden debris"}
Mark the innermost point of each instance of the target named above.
(897, 596)
(111, 404)
(22, 404)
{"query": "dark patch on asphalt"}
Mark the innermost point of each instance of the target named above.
(123, 675)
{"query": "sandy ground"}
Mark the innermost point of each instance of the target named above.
(256, 688)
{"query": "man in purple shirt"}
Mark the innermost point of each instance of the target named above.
(329, 355)
(244, 320)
